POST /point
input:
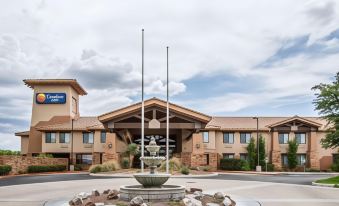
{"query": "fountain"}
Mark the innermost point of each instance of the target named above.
(152, 184)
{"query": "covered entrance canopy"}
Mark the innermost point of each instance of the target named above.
(183, 122)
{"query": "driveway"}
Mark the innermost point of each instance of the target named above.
(267, 193)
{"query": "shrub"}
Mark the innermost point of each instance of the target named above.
(9, 152)
(46, 168)
(194, 168)
(111, 165)
(95, 169)
(234, 164)
(251, 151)
(125, 163)
(335, 167)
(206, 168)
(292, 154)
(5, 169)
(174, 165)
(42, 155)
(270, 167)
(184, 170)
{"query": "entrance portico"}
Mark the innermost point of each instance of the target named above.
(184, 128)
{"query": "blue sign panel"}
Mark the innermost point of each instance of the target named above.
(51, 98)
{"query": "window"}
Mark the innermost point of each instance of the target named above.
(88, 137)
(64, 137)
(336, 158)
(74, 106)
(300, 138)
(103, 137)
(301, 158)
(284, 160)
(244, 156)
(50, 137)
(228, 138)
(245, 138)
(84, 159)
(228, 155)
(283, 138)
(206, 137)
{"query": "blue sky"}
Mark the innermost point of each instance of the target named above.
(234, 58)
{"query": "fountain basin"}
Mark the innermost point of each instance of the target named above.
(152, 160)
(151, 180)
(164, 193)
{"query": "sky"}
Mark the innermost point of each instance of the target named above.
(226, 58)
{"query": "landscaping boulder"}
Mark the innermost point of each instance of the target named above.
(198, 195)
(195, 189)
(75, 201)
(113, 195)
(90, 204)
(136, 201)
(212, 204)
(191, 202)
(95, 192)
(106, 191)
(219, 196)
(228, 201)
(83, 195)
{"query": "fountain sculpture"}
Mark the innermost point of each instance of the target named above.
(152, 184)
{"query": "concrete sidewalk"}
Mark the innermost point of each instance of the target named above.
(277, 173)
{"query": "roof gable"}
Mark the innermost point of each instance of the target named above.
(296, 118)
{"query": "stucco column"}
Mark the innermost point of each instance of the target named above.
(313, 152)
(110, 147)
(276, 155)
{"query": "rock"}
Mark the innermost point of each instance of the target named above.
(212, 204)
(113, 195)
(99, 204)
(228, 201)
(219, 196)
(89, 204)
(95, 192)
(136, 201)
(83, 195)
(195, 189)
(198, 195)
(106, 191)
(143, 204)
(75, 201)
(191, 202)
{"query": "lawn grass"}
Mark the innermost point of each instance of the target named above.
(331, 180)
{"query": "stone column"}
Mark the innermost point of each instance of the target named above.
(276, 154)
(197, 156)
(110, 147)
(313, 153)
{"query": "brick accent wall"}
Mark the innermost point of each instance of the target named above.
(20, 163)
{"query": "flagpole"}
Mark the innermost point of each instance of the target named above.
(167, 124)
(142, 103)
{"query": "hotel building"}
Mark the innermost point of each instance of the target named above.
(196, 138)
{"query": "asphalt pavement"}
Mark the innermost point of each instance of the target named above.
(281, 178)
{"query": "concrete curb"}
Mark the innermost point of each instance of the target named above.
(130, 175)
(279, 173)
(322, 184)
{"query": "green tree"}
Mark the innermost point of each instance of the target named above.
(327, 104)
(262, 151)
(251, 152)
(132, 150)
(292, 154)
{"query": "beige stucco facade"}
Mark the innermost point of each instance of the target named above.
(113, 131)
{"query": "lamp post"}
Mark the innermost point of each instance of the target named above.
(258, 167)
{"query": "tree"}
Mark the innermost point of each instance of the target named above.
(327, 104)
(132, 150)
(292, 154)
(251, 152)
(262, 151)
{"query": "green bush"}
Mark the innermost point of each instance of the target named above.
(125, 163)
(335, 167)
(79, 167)
(95, 169)
(206, 168)
(234, 164)
(5, 169)
(270, 167)
(9, 152)
(184, 170)
(46, 168)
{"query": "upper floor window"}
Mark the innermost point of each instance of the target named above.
(88, 137)
(245, 138)
(301, 158)
(50, 137)
(205, 137)
(229, 138)
(300, 138)
(74, 105)
(64, 137)
(228, 155)
(103, 137)
(283, 138)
